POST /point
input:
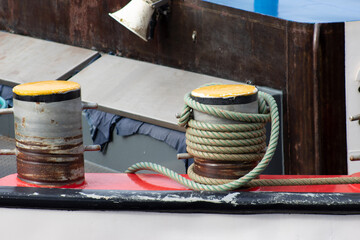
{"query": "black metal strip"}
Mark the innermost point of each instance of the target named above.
(227, 101)
(49, 98)
(181, 201)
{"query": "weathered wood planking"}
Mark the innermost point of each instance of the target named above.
(24, 59)
(314, 115)
(139, 90)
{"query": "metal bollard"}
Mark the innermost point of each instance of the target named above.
(48, 133)
(236, 98)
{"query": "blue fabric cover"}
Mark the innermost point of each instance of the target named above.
(7, 94)
(102, 124)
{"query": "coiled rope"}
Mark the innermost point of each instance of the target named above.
(232, 142)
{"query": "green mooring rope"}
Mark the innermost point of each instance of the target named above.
(238, 142)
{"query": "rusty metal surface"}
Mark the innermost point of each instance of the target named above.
(49, 141)
(47, 173)
(8, 162)
(222, 169)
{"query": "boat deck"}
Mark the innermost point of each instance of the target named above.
(156, 193)
(106, 190)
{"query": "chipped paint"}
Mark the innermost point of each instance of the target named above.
(96, 196)
(231, 198)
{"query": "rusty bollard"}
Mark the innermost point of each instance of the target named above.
(236, 98)
(48, 133)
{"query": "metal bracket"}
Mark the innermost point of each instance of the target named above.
(354, 155)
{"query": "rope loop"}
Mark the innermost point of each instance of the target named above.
(225, 141)
(261, 117)
(232, 142)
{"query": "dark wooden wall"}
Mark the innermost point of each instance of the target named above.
(231, 44)
(315, 96)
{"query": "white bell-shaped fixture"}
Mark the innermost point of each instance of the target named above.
(135, 16)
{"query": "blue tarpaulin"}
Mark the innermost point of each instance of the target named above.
(102, 124)
(7, 94)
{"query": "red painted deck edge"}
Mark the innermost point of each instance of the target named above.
(155, 182)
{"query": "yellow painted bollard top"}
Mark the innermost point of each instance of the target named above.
(224, 91)
(45, 88)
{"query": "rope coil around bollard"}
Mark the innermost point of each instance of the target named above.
(237, 142)
(261, 118)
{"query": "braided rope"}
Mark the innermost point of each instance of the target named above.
(224, 150)
(225, 127)
(221, 142)
(226, 141)
(230, 115)
(251, 118)
(226, 135)
(276, 182)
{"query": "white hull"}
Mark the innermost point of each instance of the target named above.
(38, 224)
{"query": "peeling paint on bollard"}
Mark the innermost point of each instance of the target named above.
(48, 134)
(233, 97)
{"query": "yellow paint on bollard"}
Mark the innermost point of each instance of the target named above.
(45, 88)
(224, 91)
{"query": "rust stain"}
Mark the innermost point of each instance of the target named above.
(39, 108)
(19, 135)
(79, 26)
(23, 122)
(41, 147)
(222, 169)
(45, 157)
(51, 173)
(48, 168)
(67, 139)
